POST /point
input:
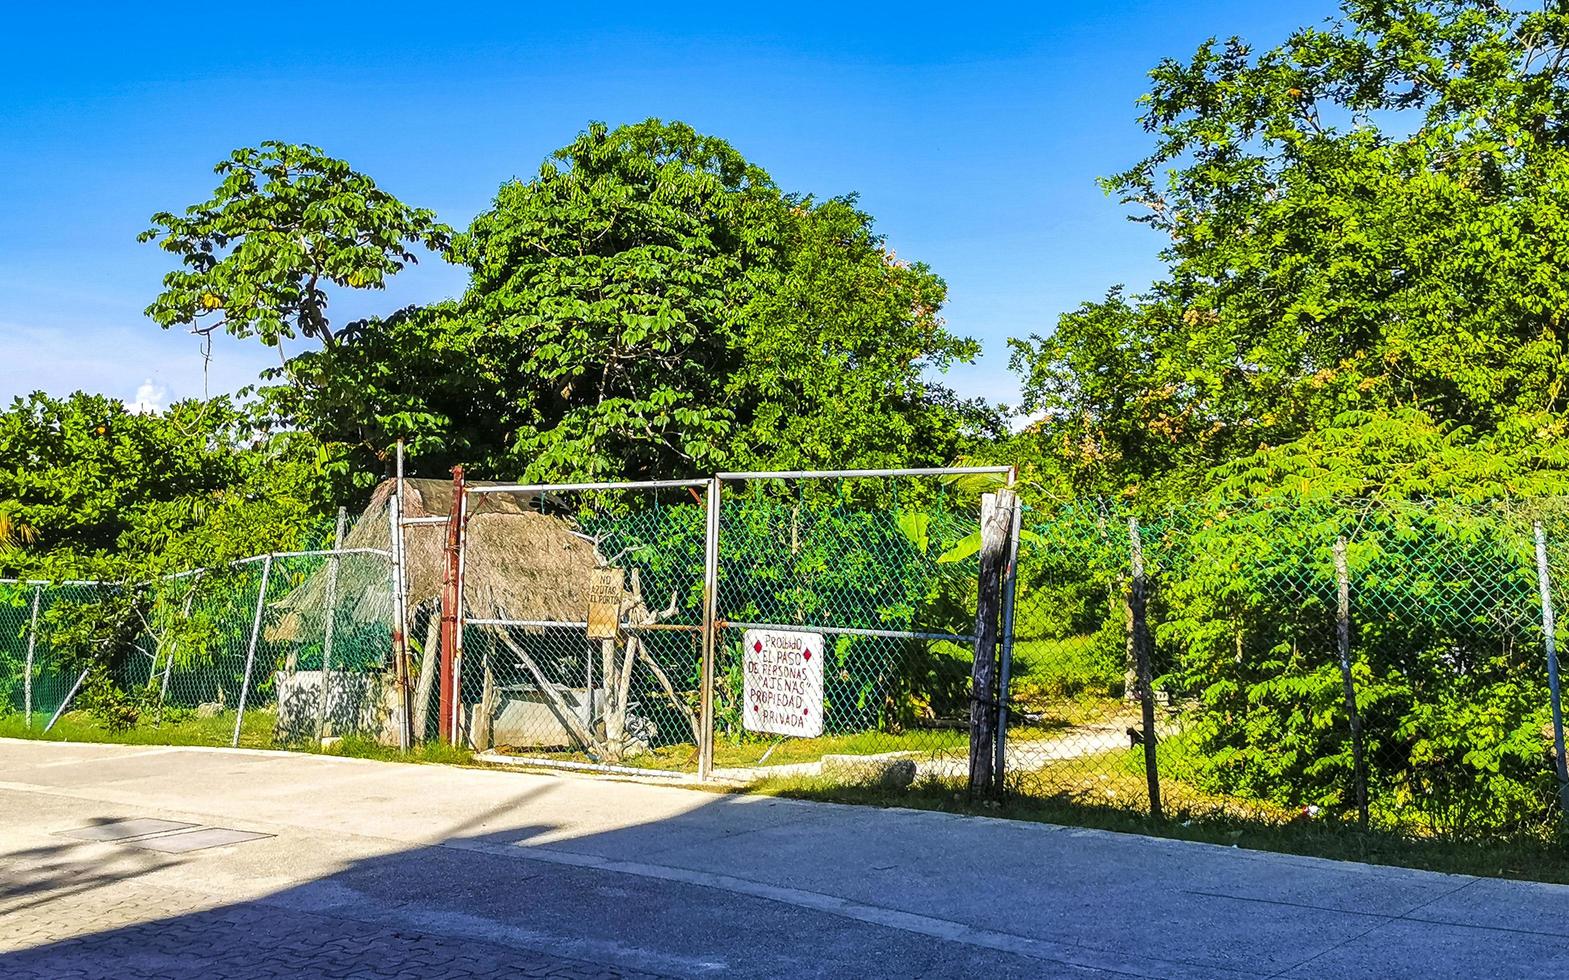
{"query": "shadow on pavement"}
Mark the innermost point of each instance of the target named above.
(482, 903)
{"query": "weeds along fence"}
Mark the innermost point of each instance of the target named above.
(275, 650)
(1380, 665)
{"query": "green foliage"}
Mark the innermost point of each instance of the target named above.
(109, 493)
(1444, 658)
(1369, 217)
(650, 303)
(284, 222)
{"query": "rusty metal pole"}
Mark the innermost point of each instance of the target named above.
(450, 614)
(458, 725)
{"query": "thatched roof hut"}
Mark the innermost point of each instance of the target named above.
(518, 563)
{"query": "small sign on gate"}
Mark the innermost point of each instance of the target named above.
(604, 603)
(782, 674)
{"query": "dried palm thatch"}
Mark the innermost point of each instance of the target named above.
(520, 564)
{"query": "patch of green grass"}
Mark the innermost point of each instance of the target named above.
(78, 726)
(1056, 668)
(358, 747)
(1065, 667)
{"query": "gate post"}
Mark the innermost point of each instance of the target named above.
(996, 519)
(1141, 656)
(400, 615)
(705, 746)
(451, 613)
(1010, 587)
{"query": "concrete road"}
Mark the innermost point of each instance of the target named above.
(376, 869)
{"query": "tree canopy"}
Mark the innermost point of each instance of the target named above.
(285, 221)
(651, 304)
(1368, 218)
(88, 488)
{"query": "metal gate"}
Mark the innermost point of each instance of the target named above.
(845, 617)
(581, 634)
(752, 625)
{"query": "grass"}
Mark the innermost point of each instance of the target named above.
(78, 726)
(256, 732)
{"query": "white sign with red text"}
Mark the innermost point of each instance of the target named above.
(783, 686)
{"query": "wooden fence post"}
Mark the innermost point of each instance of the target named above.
(1010, 589)
(1138, 603)
(996, 520)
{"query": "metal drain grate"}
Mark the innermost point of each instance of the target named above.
(195, 840)
(121, 829)
(168, 836)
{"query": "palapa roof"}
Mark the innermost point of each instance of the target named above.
(519, 564)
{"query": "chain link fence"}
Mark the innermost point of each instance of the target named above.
(277, 650)
(1358, 664)
(538, 676)
(877, 576)
(1379, 665)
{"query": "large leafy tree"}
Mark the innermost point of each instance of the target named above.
(1372, 216)
(651, 303)
(837, 354)
(613, 288)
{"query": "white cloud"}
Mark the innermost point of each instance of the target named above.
(150, 399)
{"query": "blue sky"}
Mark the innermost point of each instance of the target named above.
(973, 134)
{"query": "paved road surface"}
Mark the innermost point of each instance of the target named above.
(383, 870)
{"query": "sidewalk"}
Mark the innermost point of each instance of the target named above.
(430, 871)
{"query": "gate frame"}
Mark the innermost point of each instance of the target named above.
(1004, 586)
(713, 489)
(464, 620)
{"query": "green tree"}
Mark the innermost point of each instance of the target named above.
(652, 304)
(284, 223)
(837, 356)
(109, 493)
(1369, 217)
